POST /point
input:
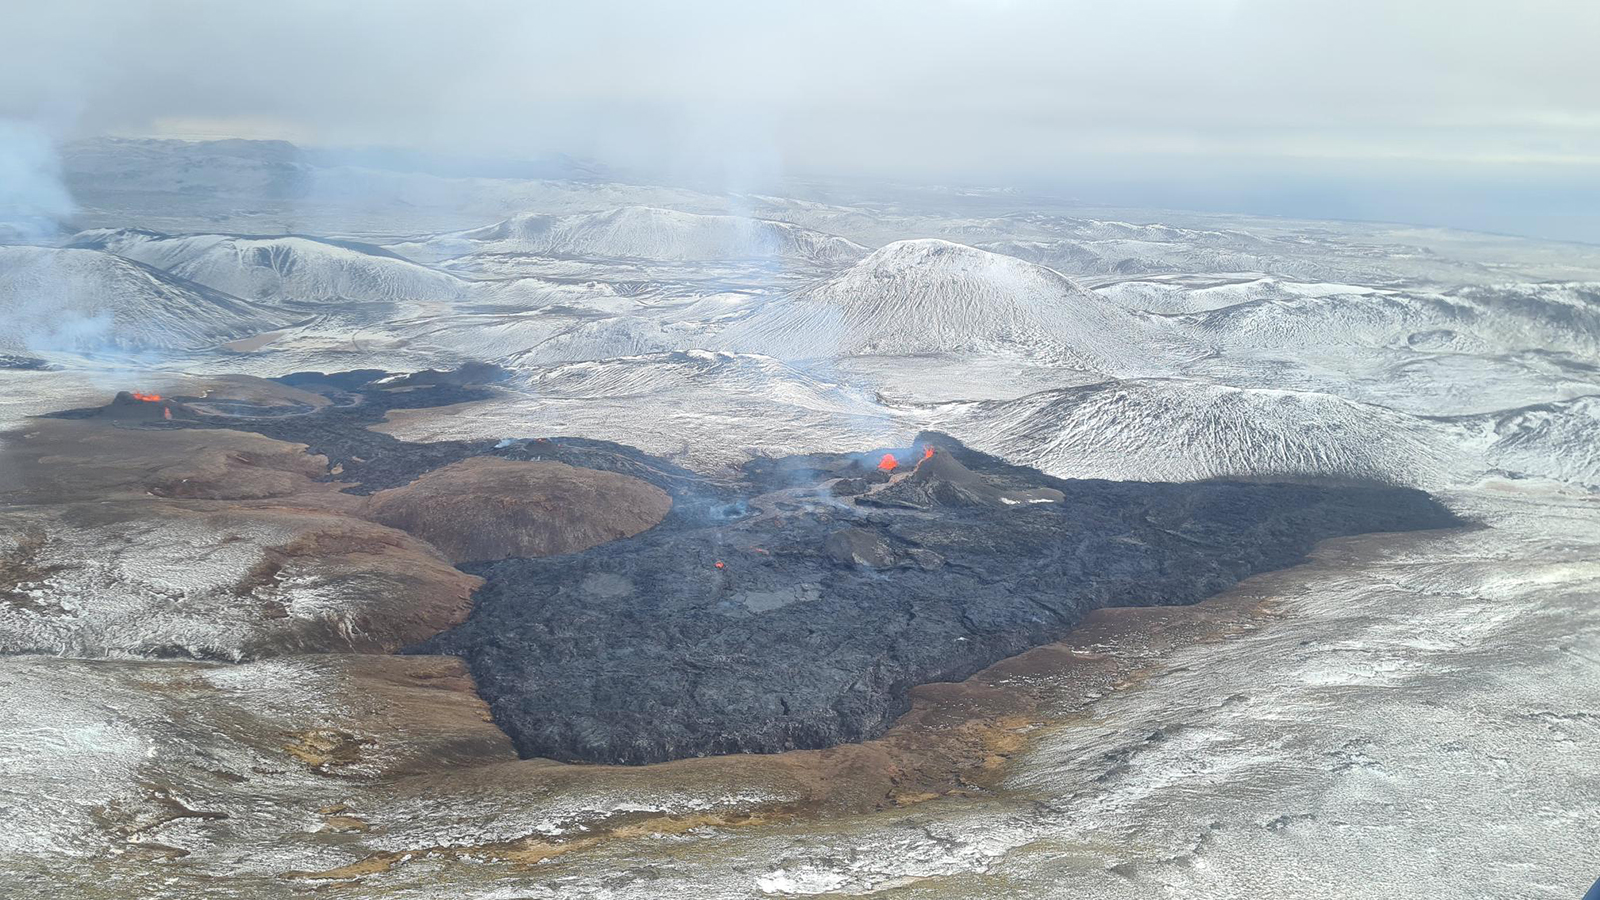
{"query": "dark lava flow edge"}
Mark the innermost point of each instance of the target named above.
(647, 648)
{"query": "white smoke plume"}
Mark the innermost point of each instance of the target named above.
(40, 315)
(33, 199)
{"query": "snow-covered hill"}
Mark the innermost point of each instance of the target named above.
(55, 300)
(932, 296)
(280, 268)
(1559, 441)
(640, 232)
(1200, 293)
(540, 336)
(1174, 430)
(1064, 256)
(653, 376)
(1179, 430)
(1561, 318)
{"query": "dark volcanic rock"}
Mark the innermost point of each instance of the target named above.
(859, 547)
(23, 363)
(807, 622)
(144, 407)
(940, 480)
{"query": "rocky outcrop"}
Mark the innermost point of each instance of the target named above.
(940, 480)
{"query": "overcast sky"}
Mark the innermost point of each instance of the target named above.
(1465, 112)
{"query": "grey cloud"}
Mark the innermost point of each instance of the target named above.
(1078, 93)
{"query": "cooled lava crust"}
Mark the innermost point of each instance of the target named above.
(806, 622)
(797, 603)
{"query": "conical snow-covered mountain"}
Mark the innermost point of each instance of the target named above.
(288, 268)
(642, 232)
(70, 300)
(923, 297)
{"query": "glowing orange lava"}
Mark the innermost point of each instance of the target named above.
(148, 398)
(888, 462)
(927, 452)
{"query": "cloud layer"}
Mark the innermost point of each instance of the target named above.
(1135, 97)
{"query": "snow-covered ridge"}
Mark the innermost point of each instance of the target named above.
(705, 409)
(1559, 441)
(642, 232)
(1180, 430)
(71, 300)
(653, 376)
(287, 267)
(1176, 430)
(1513, 317)
(1198, 294)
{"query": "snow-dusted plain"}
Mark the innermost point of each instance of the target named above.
(1397, 718)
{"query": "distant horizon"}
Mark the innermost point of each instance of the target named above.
(1270, 204)
(1470, 114)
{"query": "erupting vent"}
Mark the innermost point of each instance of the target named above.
(137, 405)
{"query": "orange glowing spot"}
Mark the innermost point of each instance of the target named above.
(166, 413)
(888, 462)
(719, 564)
(927, 452)
(148, 398)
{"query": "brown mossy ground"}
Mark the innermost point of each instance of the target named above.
(485, 508)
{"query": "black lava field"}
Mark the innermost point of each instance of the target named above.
(797, 602)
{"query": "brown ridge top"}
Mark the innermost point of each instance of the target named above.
(486, 508)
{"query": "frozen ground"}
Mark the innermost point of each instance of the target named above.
(1400, 718)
